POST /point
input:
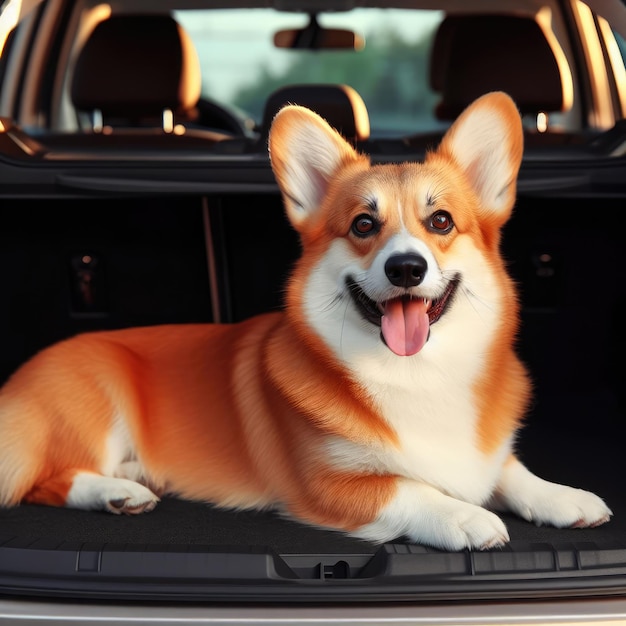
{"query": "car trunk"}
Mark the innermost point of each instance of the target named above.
(95, 260)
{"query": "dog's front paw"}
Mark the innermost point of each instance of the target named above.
(546, 503)
(132, 503)
(472, 527)
(116, 495)
(563, 507)
(427, 516)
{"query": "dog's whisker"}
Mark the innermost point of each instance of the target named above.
(343, 324)
(332, 301)
(474, 299)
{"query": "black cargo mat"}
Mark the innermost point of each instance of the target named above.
(178, 523)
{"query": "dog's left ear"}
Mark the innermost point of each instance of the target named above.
(487, 142)
(305, 152)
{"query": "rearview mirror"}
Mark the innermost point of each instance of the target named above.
(316, 37)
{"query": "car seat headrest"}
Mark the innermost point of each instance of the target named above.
(340, 105)
(474, 54)
(135, 66)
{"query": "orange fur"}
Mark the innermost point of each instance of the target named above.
(53, 490)
(170, 383)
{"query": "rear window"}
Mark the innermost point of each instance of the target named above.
(241, 66)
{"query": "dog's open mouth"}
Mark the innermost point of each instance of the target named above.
(405, 321)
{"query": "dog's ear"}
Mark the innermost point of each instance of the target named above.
(487, 142)
(305, 152)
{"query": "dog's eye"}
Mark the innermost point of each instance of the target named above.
(364, 225)
(441, 222)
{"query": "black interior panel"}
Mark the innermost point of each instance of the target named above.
(256, 247)
(146, 264)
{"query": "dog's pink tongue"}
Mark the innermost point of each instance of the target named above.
(405, 325)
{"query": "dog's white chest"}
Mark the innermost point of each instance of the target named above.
(436, 428)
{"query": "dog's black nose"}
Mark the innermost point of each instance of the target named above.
(406, 270)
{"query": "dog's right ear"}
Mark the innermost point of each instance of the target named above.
(305, 152)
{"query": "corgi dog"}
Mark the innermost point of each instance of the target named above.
(382, 402)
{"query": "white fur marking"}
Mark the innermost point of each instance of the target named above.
(428, 398)
(456, 467)
(119, 447)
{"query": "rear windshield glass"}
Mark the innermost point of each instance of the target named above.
(241, 65)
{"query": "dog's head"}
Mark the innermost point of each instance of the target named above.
(392, 251)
